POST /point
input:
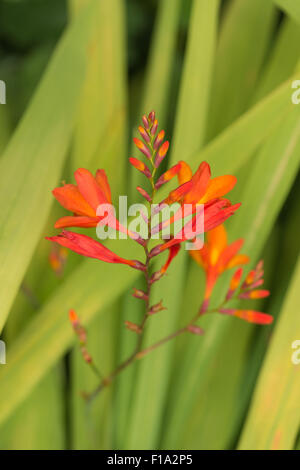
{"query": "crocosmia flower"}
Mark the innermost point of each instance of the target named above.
(217, 255)
(193, 191)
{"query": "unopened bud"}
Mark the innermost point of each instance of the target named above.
(151, 117)
(154, 127)
(142, 147)
(196, 330)
(254, 294)
(145, 121)
(140, 294)
(144, 134)
(156, 277)
(140, 166)
(143, 193)
(158, 140)
(133, 327)
(162, 152)
(156, 308)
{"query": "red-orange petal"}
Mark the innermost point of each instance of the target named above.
(217, 212)
(73, 317)
(216, 243)
(72, 200)
(236, 278)
(229, 252)
(173, 251)
(185, 173)
(200, 182)
(238, 260)
(89, 188)
(102, 181)
(218, 187)
(77, 221)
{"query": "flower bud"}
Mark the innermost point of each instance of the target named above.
(158, 140)
(140, 294)
(144, 134)
(151, 117)
(156, 308)
(196, 330)
(154, 127)
(142, 147)
(255, 294)
(145, 121)
(140, 166)
(133, 327)
(143, 193)
(162, 152)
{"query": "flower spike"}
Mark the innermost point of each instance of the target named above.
(203, 201)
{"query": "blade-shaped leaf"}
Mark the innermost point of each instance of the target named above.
(274, 416)
(33, 159)
(158, 75)
(244, 38)
(291, 7)
(263, 196)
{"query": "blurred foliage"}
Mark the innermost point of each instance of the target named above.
(220, 79)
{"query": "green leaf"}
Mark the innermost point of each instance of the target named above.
(33, 160)
(88, 290)
(35, 426)
(263, 196)
(159, 71)
(100, 141)
(100, 132)
(291, 7)
(244, 39)
(283, 59)
(92, 426)
(274, 416)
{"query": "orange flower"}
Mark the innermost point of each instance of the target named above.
(198, 189)
(83, 200)
(57, 258)
(216, 256)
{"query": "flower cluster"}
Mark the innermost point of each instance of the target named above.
(196, 195)
(217, 256)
